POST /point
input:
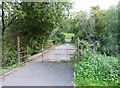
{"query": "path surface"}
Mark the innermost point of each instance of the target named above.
(37, 73)
(60, 53)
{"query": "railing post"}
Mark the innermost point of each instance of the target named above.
(42, 53)
(18, 42)
(1, 49)
(78, 44)
(27, 54)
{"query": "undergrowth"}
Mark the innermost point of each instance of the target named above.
(95, 69)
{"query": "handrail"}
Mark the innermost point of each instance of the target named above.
(23, 57)
(24, 51)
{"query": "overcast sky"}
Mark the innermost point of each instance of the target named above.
(86, 4)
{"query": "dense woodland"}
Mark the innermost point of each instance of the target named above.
(44, 24)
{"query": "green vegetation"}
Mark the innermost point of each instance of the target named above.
(95, 69)
(68, 35)
(34, 27)
(58, 37)
(97, 26)
(8, 69)
(37, 25)
(45, 24)
(98, 66)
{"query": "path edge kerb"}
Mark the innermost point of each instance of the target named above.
(29, 61)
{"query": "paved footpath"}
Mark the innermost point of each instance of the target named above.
(46, 73)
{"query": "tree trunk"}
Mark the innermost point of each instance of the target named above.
(4, 26)
(3, 22)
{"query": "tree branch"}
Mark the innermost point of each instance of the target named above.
(3, 22)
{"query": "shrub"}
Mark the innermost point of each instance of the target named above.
(96, 69)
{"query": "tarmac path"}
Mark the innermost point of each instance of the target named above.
(50, 72)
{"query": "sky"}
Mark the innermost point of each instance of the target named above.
(86, 4)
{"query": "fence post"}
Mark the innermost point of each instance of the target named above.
(42, 53)
(18, 42)
(27, 54)
(78, 48)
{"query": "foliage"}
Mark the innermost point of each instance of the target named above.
(8, 69)
(79, 23)
(97, 25)
(31, 21)
(110, 36)
(68, 35)
(58, 37)
(9, 54)
(96, 69)
(47, 23)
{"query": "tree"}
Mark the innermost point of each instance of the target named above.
(110, 36)
(34, 23)
(80, 25)
(99, 27)
(9, 14)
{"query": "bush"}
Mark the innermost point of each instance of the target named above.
(58, 38)
(9, 54)
(96, 69)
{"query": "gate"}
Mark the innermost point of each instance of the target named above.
(55, 54)
(22, 54)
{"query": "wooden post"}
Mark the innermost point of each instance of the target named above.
(27, 54)
(1, 49)
(18, 42)
(78, 48)
(42, 53)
